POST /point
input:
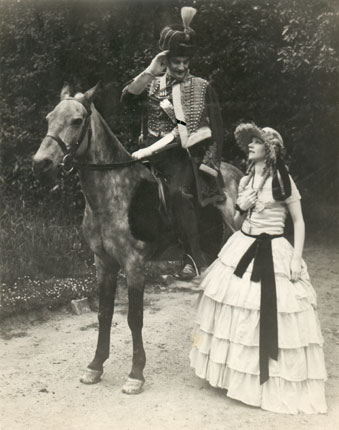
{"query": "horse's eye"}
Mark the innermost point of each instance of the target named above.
(76, 121)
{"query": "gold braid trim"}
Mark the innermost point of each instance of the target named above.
(193, 98)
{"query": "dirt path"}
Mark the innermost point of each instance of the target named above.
(41, 363)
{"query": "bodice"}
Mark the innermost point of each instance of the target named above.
(268, 215)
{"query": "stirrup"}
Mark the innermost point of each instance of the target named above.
(197, 272)
(187, 273)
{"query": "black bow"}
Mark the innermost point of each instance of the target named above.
(263, 271)
(281, 193)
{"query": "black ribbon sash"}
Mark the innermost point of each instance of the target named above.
(263, 271)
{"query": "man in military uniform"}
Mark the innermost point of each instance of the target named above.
(182, 131)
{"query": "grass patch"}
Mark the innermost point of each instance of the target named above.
(44, 260)
(41, 244)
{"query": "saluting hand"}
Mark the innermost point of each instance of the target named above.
(158, 64)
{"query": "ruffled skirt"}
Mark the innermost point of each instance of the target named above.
(225, 338)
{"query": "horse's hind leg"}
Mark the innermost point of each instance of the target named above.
(107, 280)
(135, 381)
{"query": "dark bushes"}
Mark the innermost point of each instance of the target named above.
(276, 63)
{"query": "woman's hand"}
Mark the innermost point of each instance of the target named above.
(247, 199)
(295, 268)
(299, 236)
(158, 64)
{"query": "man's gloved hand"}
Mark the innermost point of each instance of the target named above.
(141, 153)
(158, 64)
(209, 170)
(157, 67)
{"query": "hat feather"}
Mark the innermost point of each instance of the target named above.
(187, 14)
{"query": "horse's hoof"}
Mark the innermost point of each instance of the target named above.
(133, 386)
(91, 376)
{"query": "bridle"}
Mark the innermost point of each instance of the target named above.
(68, 162)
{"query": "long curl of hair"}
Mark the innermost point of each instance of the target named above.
(274, 162)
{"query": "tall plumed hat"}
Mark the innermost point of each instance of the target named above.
(177, 39)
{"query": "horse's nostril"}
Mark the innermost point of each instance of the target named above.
(42, 165)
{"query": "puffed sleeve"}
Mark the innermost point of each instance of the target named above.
(130, 99)
(134, 108)
(295, 195)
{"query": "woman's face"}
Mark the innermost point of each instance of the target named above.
(256, 149)
(178, 67)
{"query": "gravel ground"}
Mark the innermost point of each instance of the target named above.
(42, 356)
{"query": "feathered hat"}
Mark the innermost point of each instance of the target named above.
(275, 150)
(245, 132)
(177, 39)
(271, 138)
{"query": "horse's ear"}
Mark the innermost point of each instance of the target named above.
(66, 91)
(91, 93)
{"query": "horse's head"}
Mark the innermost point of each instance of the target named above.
(67, 129)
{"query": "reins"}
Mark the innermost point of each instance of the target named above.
(111, 166)
(118, 164)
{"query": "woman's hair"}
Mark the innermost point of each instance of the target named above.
(274, 163)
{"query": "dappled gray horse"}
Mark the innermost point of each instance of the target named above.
(116, 188)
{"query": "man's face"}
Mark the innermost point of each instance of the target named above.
(178, 67)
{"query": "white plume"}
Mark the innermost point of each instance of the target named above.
(187, 14)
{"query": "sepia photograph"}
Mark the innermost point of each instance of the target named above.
(169, 214)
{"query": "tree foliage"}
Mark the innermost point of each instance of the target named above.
(276, 63)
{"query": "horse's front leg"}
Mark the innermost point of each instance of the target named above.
(135, 282)
(107, 280)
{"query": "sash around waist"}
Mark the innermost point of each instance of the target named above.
(263, 235)
(260, 251)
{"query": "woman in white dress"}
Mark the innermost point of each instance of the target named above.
(257, 332)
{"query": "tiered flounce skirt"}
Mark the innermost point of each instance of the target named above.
(225, 338)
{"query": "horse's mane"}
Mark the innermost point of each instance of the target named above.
(110, 131)
(115, 141)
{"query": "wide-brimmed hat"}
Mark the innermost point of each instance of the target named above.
(275, 149)
(177, 39)
(271, 138)
(245, 132)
